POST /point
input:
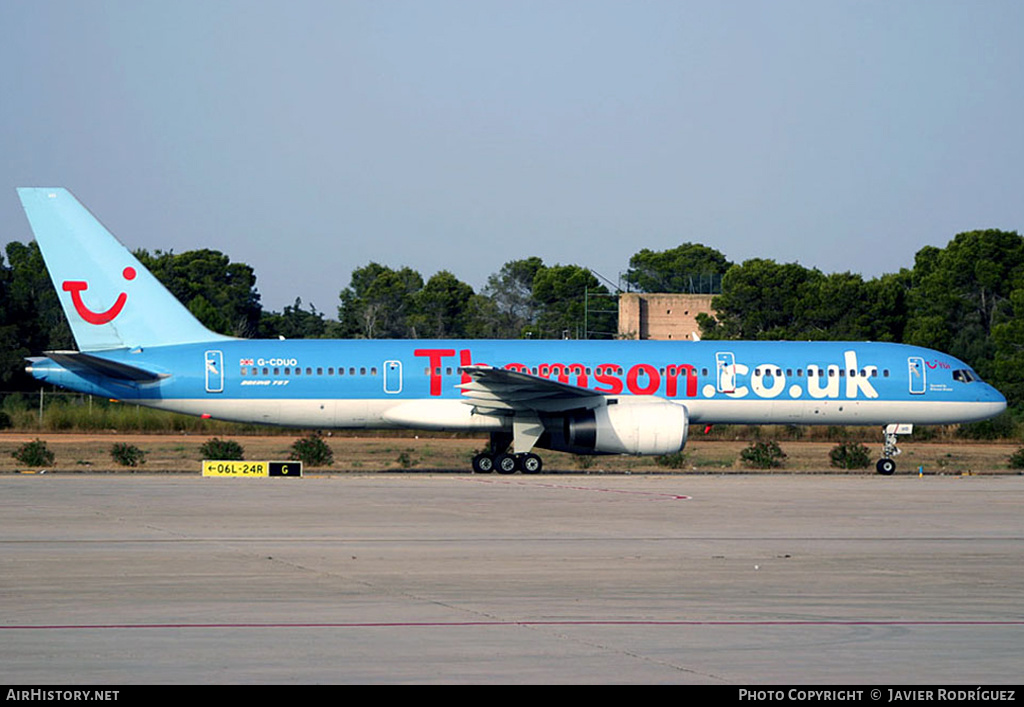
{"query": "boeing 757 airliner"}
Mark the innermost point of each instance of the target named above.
(137, 343)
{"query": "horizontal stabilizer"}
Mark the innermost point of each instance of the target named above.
(88, 363)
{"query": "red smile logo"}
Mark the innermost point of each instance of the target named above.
(76, 287)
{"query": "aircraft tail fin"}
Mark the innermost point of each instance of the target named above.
(109, 297)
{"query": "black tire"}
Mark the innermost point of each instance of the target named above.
(506, 464)
(885, 467)
(483, 464)
(531, 464)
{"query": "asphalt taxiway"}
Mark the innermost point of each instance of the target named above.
(490, 579)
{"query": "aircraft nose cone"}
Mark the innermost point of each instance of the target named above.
(996, 401)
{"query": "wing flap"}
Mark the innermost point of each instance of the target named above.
(501, 390)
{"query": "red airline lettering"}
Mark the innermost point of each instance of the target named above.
(653, 379)
(641, 379)
(435, 356)
(563, 372)
(465, 359)
(671, 380)
(604, 376)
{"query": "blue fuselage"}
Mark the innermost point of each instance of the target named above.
(329, 383)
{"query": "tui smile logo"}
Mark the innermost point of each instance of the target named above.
(76, 287)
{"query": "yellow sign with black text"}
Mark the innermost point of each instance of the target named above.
(240, 468)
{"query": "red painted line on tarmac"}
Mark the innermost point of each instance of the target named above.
(651, 494)
(460, 624)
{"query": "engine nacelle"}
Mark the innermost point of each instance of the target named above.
(628, 426)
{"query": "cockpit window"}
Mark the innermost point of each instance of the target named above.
(965, 375)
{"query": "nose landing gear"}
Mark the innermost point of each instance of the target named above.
(886, 465)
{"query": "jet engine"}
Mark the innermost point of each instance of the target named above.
(624, 426)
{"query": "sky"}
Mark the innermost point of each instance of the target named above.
(308, 139)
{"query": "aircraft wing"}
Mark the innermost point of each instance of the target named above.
(501, 391)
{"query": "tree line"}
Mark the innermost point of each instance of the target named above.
(966, 299)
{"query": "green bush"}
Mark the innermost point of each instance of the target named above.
(127, 454)
(584, 461)
(218, 449)
(676, 460)
(850, 455)
(34, 454)
(1017, 459)
(312, 450)
(763, 455)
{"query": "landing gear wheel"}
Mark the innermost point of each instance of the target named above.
(483, 464)
(506, 464)
(885, 467)
(531, 464)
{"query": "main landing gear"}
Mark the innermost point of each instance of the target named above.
(528, 463)
(886, 465)
(497, 459)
